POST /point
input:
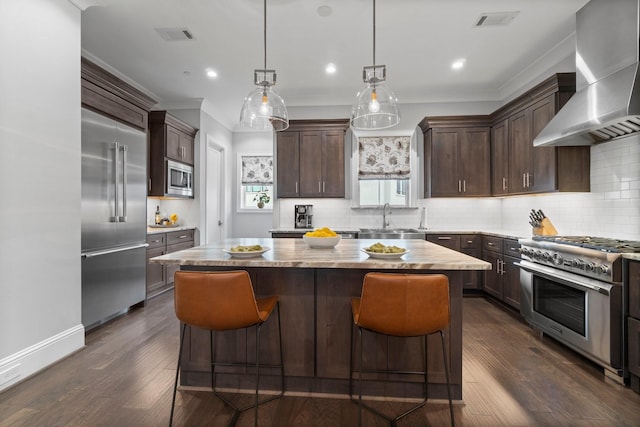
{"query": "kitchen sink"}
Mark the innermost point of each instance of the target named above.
(391, 233)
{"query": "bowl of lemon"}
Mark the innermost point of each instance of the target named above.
(321, 238)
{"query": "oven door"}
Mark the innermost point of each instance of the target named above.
(583, 313)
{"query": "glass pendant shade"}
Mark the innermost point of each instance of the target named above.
(375, 107)
(264, 109)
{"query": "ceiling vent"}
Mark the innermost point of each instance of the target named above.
(175, 34)
(495, 19)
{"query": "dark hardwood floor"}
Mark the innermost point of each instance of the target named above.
(511, 377)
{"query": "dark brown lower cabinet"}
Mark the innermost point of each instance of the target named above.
(633, 324)
(503, 280)
(160, 277)
(468, 244)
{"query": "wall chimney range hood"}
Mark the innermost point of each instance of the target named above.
(606, 104)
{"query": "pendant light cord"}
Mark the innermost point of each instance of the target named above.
(374, 33)
(265, 34)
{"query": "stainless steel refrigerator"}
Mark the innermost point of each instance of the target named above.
(114, 176)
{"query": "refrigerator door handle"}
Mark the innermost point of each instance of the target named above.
(114, 250)
(123, 218)
(116, 149)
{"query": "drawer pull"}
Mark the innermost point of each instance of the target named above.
(444, 238)
(184, 236)
(490, 244)
(469, 241)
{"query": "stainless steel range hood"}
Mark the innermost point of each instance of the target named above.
(606, 104)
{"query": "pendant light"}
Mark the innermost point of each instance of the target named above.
(263, 108)
(376, 106)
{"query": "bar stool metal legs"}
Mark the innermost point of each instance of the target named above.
(425, 373)
(236, 410)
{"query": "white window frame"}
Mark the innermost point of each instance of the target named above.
(239, 187)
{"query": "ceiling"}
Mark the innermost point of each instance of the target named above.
(416, 39)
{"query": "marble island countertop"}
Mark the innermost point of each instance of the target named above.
(348, 253)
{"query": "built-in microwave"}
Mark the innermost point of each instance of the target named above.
(179, 179)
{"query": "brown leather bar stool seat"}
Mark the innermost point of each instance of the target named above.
(401, 305)
(223, 301)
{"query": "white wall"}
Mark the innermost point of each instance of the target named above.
(192, 212)
(250, 224)
(611, 209)
(40, 278)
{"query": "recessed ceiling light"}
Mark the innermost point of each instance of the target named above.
(212, 74)
(458, 64)
(325, 11)
(330, 68)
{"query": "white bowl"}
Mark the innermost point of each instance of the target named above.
(321, 242)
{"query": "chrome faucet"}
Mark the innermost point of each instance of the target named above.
(385, 223)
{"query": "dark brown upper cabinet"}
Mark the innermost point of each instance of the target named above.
(457, 152)
(169, 139)
(520, 168)
(310, 159)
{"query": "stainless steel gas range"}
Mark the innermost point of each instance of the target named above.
(572, 291)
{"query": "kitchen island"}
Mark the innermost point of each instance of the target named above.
(315, 288)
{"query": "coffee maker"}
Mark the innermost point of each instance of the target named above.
(303, 215)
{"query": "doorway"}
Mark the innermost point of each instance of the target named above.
(214, 198)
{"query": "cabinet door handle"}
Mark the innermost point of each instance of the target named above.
(319, 187)
(296, 187)
(323, 187)
(464, 185)
(528, 180)
(504, 183)
(524, 180)
(459, 186)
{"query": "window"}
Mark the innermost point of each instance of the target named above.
(384, 170)
(256, 182)
(376, 192)
(250, 196)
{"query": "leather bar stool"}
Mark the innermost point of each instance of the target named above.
(401, 305)
(223, 301)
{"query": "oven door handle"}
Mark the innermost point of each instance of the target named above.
(569, 279)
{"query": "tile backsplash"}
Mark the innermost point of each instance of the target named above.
(611, 209)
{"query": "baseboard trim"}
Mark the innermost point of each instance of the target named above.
(21, 365)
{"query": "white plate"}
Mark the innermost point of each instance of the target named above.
(381, 255)
(252, 254)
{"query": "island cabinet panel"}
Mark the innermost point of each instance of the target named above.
(457, 156)
(296, 296)
(310, 159)
(334, 325)
(316, 328)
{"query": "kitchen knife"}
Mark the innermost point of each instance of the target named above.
(541, 214)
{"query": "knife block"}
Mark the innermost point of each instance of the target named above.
(545, 229)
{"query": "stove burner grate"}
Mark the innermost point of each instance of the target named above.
(603, 244)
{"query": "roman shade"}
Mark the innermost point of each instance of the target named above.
(384, 157)
(257, 170)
